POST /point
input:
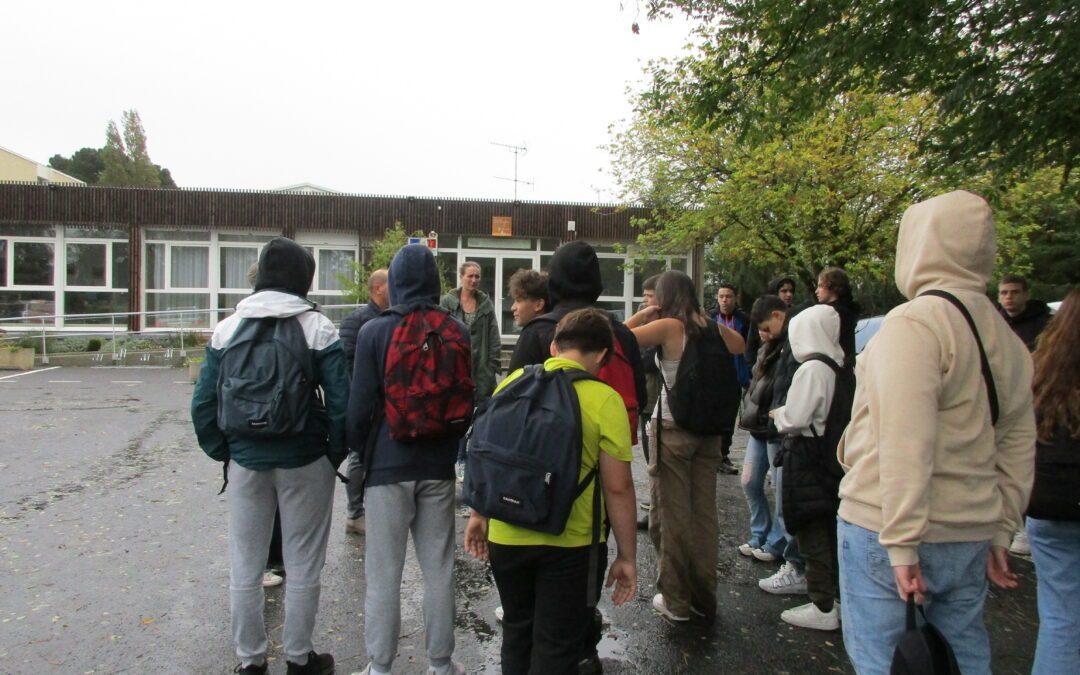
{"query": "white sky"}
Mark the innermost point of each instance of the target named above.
(398, 98)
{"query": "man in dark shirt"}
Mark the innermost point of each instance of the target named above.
(379, 295)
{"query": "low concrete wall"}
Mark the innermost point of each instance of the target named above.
(98, 359)
(16, 359)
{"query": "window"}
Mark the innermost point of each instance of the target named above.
(177, 277)
(612, 275)
(334, 255)
(332, 265)
(33, 263)
(86, 264)
(235, 263)
(3, 262)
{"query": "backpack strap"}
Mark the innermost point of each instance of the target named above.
(574, 375)
(827, 360)
(988, 375)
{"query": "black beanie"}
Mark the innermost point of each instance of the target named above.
(574, 274)
(285, 266)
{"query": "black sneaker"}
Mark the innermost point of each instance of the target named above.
(252, 669)
(727, 467)
(317, 664)
(643, 523)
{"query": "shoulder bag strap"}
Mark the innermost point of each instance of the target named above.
(988, 376)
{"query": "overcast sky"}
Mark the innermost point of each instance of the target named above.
(398, 98)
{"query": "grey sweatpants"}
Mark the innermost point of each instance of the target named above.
(425, 508)
(305, 497)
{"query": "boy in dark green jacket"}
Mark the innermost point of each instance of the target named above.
(293, 473)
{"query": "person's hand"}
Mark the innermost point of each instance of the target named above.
(772, 413)
(997, 568)
(909, 579)
(476, 536)
(623, 575)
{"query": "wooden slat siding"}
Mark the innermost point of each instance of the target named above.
(289, 213)
(135, 258)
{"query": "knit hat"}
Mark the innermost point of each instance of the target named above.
(285, 266)
(574, 274)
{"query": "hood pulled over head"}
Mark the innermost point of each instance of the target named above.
(413, 276)
(946, 242)
(574, 274)
(816, 330)
(285, 266)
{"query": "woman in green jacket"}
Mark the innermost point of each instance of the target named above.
(475, 309)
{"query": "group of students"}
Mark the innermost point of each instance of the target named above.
(930, 477)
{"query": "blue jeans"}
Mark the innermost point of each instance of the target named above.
(873, 614)
(763, 533)
(781, 543)
(1055, 548)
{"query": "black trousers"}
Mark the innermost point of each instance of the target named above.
(547, 623)
(817, 546)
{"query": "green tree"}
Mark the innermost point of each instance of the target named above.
(1002, 73)
(827, 191)
(382, 252)
(85, 164)
(127, 161)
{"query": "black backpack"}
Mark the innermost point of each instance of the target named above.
(267, 382)
(706, 395)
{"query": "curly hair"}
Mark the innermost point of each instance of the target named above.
(1057, 371)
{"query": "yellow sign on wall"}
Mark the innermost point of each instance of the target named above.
(502, 226)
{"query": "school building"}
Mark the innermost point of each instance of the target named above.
(69, 250)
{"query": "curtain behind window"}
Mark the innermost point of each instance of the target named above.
(235, 263)
(190, 266)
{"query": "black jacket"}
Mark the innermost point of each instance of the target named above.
(350, 326)
(574, 282)
(1056, 493)
(1030, 322)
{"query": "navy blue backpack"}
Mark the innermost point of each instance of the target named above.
(524, 452)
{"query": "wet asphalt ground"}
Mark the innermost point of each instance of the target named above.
(113, 558)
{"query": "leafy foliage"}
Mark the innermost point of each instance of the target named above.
(828, 191)
(355, 286)
(85, 164)
(1002, 73)
(127, 162)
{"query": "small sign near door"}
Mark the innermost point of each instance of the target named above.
(502, 226)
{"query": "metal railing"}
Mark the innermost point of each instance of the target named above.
(189, 325)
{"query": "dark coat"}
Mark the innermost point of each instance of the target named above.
(1030, 322)
(350, 326)
(484, 337)
(1056, 493)
(413, 278)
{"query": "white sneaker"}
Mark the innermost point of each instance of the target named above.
(763, 555)
(809, 616)
(746, 549)
(1020, 544)
(658, 605)
(453, 668)
(787, 581)
(270, 579)
(499, 614)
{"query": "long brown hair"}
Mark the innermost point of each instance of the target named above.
(677, 298)
(1057, 372)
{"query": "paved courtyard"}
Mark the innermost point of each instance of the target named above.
(113, 558)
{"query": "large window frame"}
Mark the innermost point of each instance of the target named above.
(51, 311)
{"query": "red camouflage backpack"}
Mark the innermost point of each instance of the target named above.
(428, 375)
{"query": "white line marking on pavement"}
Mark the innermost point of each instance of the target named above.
(64, 381)
(181, 382)
(28, 372)
(127, 381)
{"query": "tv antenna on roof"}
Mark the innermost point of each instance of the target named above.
(518, 150)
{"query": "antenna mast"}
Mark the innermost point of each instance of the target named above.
(518, 150)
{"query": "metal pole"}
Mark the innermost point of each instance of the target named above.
(44, 347)
(182, 351)
(112, 328)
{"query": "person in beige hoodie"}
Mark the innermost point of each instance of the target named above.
(933, 489)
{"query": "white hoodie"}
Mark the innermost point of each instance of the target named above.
(815, 330)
